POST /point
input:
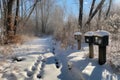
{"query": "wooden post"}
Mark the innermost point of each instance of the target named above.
(102, 55)
(79, 44)
(91, 50)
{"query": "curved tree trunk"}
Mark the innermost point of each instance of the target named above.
(99, 6)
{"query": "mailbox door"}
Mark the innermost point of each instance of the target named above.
(102, 41)
(105, 40)
(89, 39)
(97, 40)
(77, 37)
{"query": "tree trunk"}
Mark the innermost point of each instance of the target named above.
(80, 13)
(43, 16)
(9, 23)
(99, 19)
(109, 7)
(4, 12)
(37, 29)
(16, 17)
(92, 7)
(9, 17)
(34, 5)
(91, 11)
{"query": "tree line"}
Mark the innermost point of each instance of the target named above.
(15, 12)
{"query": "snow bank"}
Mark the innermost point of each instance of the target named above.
(97, 33)
(89, 33)
(101, 33)
(77, 33)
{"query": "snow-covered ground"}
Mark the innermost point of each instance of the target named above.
(42, 62)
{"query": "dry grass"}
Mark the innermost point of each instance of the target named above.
(18, 39)
(27, 37)
(113, 50)
(12, 39)
(5, 52)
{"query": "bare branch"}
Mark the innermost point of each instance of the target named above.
(30, 12)
(95, 11)
(92, 7)
(109, 7)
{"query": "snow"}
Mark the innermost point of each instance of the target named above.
(0, 30)
(102, 33)
(77, 33)
(40, 63)
(97, 33)
(89, 33)
(88, 70)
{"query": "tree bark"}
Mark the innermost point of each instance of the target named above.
(9, 24)
(92, 7)
(80, 13)
(109, 7)
(4, 12)
(16, 17)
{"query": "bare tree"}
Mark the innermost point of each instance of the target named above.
(80, 12)
(91, 10)
(45, 10)
(16, 16)
(37, 29)
(99, 19)
(109, 7)
(92, 7)
(91, 13)
(32, 9)
(106, 14)
(95, 11)
(9, 24)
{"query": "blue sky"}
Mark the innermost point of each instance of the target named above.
(73, 6)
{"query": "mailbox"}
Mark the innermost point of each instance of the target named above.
(89, 37)
(77, 35)
(101, 38)
(89, 40)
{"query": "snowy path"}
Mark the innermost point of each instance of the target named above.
(50, 70)
(41, 64)
(83, 67)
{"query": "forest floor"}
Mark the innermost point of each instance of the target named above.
(44, 60)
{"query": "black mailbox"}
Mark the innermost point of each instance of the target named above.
(89, 37)
(89, 40)
(77, 35)
(101, 38)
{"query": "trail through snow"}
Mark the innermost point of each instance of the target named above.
(41, 64)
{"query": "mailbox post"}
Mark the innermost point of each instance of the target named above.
(89, 40)
(77, 36)
(101, 38)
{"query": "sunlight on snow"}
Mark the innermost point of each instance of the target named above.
(77, 56)
(89, 69)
